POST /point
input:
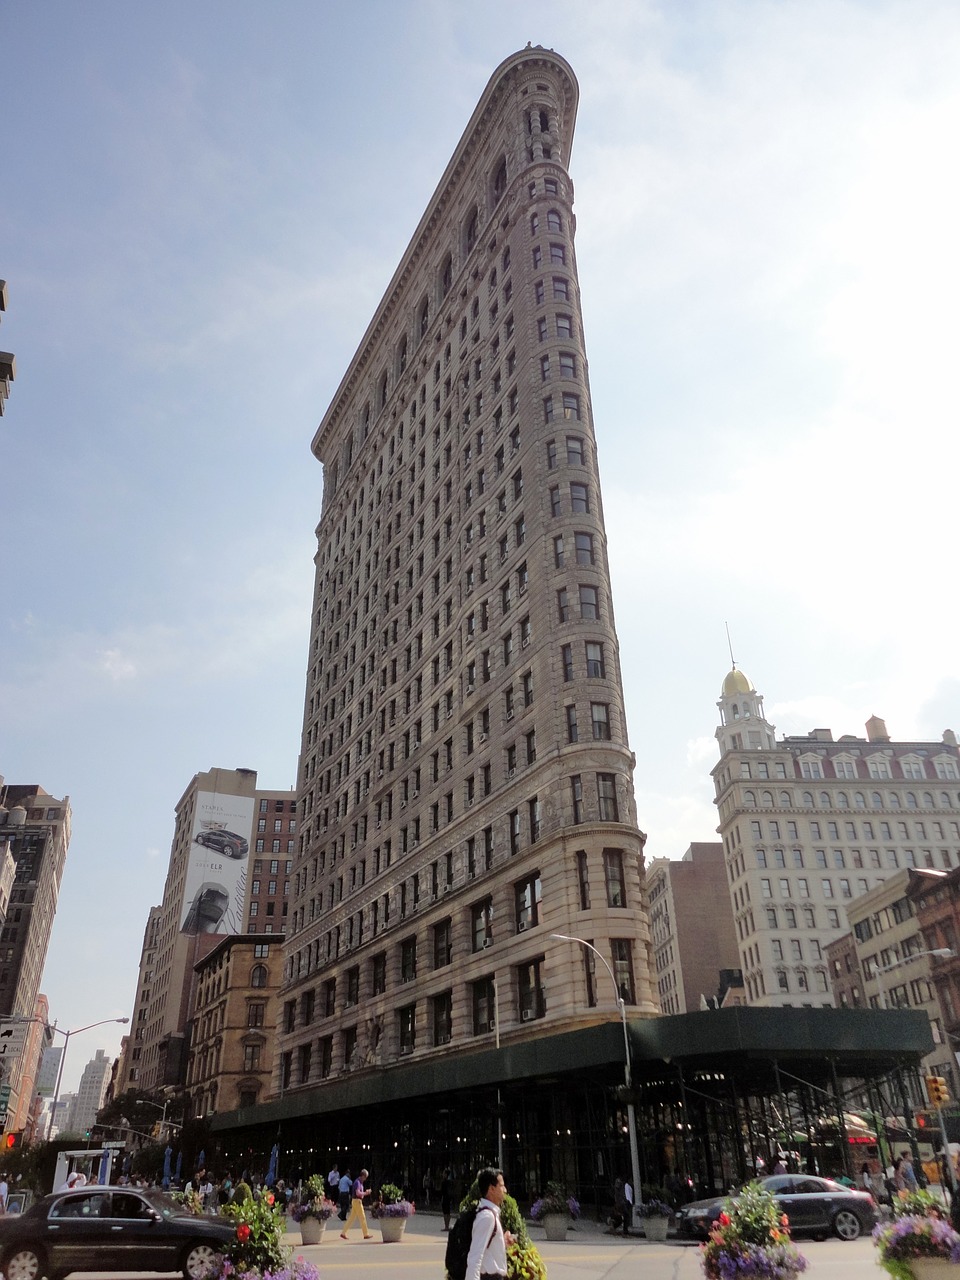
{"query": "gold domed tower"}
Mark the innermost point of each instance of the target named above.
(742, 723)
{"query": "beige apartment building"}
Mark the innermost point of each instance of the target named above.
(695, 953)
(234, 1025)
(892, 960)
(810, 824)
(225, 877)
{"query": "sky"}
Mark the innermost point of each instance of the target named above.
(200, 208)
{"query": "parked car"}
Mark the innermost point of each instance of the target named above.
(226, 842)
(108, 1229)
(814, 1207)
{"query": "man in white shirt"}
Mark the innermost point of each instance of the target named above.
(487, 1259)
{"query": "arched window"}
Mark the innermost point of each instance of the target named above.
(945, 799)
(750, 799)
(534, 223)
(894, 800)
(927, 800)
(500, 179)
(859, 799)
(446, 276)
(402, 354)
(825, 801)
(554, 221)
(473, 229)
(736, 711)
(808, 799)
(843, 800)
(876, 799)
(258, 975)
(766, 799)
(423, 319)
(544, 121)
(911, 800)
(382, 393)
(786, 798)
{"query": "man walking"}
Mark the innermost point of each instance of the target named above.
(487, 1259)
(333, 1181)
(346, 1186)
(358, 1191)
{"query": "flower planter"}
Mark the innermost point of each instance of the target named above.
(656, 1228)
(311, 1230)
(555, 1225)
(934, 1268)
(391, 1229)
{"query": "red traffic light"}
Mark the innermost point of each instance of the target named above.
(11, 1140)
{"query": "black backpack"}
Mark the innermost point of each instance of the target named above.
(458, 1243)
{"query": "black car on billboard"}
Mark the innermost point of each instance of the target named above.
(814, 1207)
(207, 910)
(228, 843)
(109, 1229)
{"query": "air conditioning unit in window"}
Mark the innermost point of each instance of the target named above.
(414, 794)
(511, 772)
(522, 926)
(510, 715)
(403, 804)
(483, 737)
(470, 688)
(447, 888)
(491, 1025)
(487, 942)
(414, 843)
(526, 1015)
(443, 1039)
(524, 642)
(406, 1048)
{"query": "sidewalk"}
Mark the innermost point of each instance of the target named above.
(429, 1222)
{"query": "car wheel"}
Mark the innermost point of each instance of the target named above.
(24, 1263)
(198, 1260)
(847, 1225)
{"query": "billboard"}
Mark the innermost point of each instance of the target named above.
(216, 880)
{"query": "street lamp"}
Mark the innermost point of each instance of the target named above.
(942, 953)
(66, 1044)
(627, 1065)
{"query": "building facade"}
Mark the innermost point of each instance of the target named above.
(809, 824)
(89, 1096)
(465, 776)
(8, 364)
(691, 925)
(34, 838)
(234, 1029)
(220, 853)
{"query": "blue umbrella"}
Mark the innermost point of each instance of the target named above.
(166, 1168)
(272, 1171)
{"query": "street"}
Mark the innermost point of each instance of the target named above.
(587, 1254)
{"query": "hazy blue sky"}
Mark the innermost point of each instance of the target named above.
(200, 207)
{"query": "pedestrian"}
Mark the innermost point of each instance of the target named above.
(426, 1190)
(619, 1217)
(446, 1197)
(628, 1200)
(344, 1189)
(333, 1181)
(488, 1244)
(908, 1171)
(357, 1192)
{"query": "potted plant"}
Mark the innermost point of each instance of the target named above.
(656, 1216)
(257, 1250)
(392, 1211)
(555, 1210)
(920, 1243)
(751, 1238)
(313, 1210)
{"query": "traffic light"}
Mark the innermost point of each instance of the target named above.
(13, 1140)
(937, 1090)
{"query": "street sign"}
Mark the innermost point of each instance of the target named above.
(114, 1146)
(4, 1091)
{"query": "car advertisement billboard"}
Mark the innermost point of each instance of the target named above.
(216, 880)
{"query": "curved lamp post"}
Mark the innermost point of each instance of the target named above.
(627, 1066)
(66, 1044)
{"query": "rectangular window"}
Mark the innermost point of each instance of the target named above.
(595, 664)
(483, 1006)
(583, 881)
(607, 797)
(579, 499)
(622, 949)
(600, 719)
(530, 999)
(566, 657)
(442, 1018)
(576, 795)
(589, 603)
(613, 876)
(527, 899)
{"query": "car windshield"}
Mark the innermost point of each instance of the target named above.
(165, 1204)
